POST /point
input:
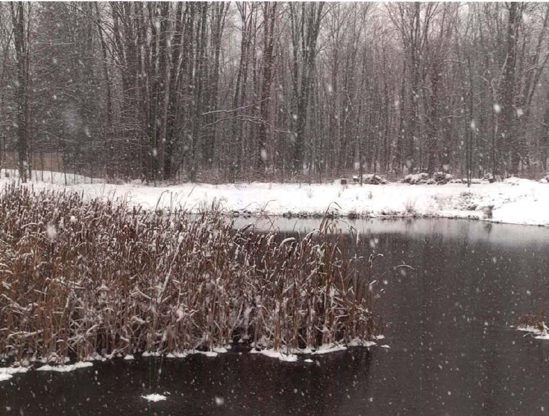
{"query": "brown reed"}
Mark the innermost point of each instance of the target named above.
(80, 277)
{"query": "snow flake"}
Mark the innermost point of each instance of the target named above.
(51, 232)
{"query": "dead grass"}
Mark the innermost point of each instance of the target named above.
(83, 277)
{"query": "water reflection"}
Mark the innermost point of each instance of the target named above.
(415, 228)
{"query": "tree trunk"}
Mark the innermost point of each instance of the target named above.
(21, 53)
(269, 20)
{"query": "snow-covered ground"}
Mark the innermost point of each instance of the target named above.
(515, 201)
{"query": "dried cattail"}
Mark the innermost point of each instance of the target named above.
(86, 277)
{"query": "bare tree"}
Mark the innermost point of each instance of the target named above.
(20, 14)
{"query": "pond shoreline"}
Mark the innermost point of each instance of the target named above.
(513, 201)
(283, 355)
(352, 217)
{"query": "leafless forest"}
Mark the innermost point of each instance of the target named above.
(224, 92)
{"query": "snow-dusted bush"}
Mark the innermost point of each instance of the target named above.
(371, 179)
(439, 178)
(416, 178)
(78, 278)
(466, 201)
(442, 178)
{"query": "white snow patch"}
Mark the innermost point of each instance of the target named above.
(360, 343)
(329, 348)
(154, 397)
(129, 357)
(271, 353)
(13, 370)
(151, 354)
(528, 328)
(65, 368)
(177, 355)
(5, 377)
(539, 334)
(183, 354)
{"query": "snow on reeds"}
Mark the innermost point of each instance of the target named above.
(534, 324)
(80, 278)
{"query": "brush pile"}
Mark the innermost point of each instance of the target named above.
(81, 278)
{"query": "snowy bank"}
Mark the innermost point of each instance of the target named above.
(271, 353)
(290, 355)
(64, 368)
(514, 201)
(7, 373)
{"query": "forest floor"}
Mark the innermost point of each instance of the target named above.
(514, 201)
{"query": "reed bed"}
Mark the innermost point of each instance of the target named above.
(533, 323)
(82, 277)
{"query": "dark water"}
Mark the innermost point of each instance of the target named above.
(452, 350)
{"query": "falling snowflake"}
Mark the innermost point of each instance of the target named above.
(51, 232)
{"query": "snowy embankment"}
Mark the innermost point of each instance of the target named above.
(514, 201)
(7, 373)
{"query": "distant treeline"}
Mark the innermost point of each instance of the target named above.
(276, 91)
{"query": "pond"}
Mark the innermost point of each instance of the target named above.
(448, 314)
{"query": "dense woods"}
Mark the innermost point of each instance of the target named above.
(275, 91)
